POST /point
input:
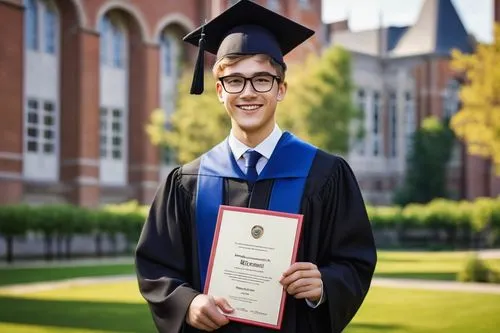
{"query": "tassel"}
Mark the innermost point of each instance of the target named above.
(199, 70)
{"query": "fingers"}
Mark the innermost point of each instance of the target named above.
(301, 270)
(203, 313)
(223, 304)
(303, 280)
(302, 285)
(206, 324)
(215, 316)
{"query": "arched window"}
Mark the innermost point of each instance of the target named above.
(114, 102)
(112, 42)
(166, 54)
(31, 24)
(103, 39)
(50, 28)
(41, 26)
(41, 91)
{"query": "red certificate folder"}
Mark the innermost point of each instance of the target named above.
(250, 249)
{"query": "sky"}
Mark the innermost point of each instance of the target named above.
(477, 15)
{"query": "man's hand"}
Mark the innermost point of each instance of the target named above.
(203, 312)
(303, 280)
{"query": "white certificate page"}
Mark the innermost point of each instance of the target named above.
(251, 250)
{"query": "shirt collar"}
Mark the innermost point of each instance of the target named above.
(265, 148)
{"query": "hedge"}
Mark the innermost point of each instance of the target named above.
(467, 220)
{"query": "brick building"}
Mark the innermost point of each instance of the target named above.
(402, 75)
(78, 79)
(497, 11)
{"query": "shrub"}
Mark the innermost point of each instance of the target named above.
(384, 217)
(475, 270)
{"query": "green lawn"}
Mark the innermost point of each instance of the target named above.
(424, 265)
(118, 308)
(418, 311)
(26, 275)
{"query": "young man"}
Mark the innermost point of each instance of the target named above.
(257, 166)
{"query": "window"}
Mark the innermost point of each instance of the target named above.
(112, 42)
(50, 27)
(166, 50)
(393, 112)
(376, 124)
(118, 47)
(112, 133)
(41, 26)
(40, 127)
(361, 101)
(31, 25)
(410, 120)
(103, 39)
(451, 99)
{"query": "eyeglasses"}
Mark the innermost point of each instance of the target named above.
(235, 84)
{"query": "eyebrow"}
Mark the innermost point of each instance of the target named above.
(252, 75)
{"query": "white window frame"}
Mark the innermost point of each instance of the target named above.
(40, 163)
(41, 82)
(114, 92)
(112, 127)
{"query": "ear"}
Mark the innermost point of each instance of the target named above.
(219, 89)
(282, 88)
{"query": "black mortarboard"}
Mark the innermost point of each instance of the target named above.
(245, 28)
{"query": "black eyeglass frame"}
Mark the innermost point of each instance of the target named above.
(246, 79)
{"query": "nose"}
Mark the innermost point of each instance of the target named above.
(248, 90)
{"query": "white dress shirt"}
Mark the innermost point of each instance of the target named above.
(265, 148)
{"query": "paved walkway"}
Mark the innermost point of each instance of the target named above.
(487, 288)
(379, 282)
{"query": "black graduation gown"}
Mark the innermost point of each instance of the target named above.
(336, 236)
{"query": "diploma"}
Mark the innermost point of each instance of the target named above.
(250, 251)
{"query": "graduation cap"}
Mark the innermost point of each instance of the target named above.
(245, 28)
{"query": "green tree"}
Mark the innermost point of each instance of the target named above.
(478, 121)
(318, 108)
(199, 123)
(427, 162)
(319, 103)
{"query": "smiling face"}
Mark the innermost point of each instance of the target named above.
(251, 112)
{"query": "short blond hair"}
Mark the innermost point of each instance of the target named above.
(232, 59)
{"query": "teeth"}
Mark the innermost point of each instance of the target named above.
(249, 107)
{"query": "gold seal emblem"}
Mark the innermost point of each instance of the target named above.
(257, 231)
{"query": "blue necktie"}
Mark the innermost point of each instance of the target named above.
(250, 165)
